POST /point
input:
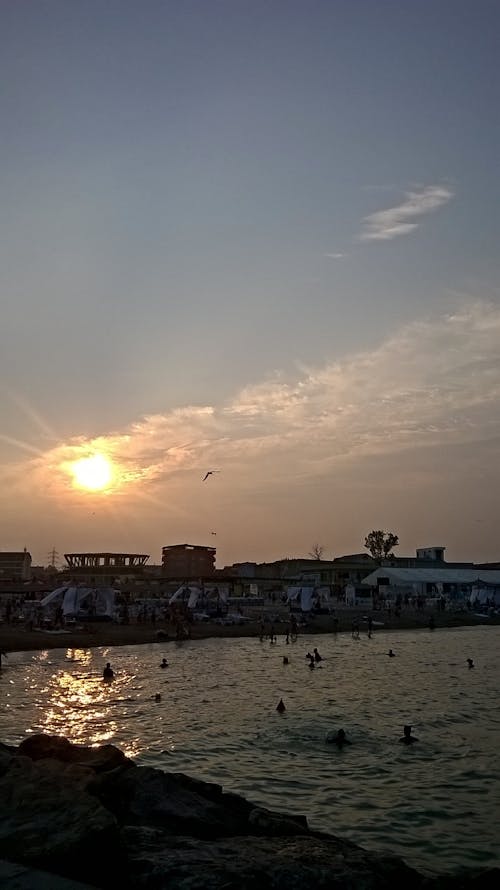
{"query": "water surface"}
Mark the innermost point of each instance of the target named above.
(437, 803)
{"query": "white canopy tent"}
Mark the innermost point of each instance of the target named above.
(191, 593)
(416, 580)
(302, 594)
(81, 602)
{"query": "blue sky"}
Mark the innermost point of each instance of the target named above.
(256, 236)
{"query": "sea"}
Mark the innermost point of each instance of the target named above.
(212, 714)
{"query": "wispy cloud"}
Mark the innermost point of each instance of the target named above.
(414, 420)
(384, 225)
(433, 383)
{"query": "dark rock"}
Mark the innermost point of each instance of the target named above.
(91, 814)
(20, 877)
(49, 820)
(106, 757)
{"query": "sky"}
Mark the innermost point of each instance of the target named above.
(258, 238)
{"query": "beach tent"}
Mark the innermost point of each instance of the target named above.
(82, 601)
(481, 593)
(304, 594)
(185, 593)
(418, 580)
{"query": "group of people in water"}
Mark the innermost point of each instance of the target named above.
(339, 738)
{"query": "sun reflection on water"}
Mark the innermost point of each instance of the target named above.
(80, 706)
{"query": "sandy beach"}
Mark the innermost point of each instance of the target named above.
(19, 639)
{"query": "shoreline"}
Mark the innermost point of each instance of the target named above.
(19, 639)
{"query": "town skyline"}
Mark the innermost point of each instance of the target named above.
(258, 246)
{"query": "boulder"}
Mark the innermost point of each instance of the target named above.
(91, 814)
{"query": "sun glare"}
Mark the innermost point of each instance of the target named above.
(92, 473)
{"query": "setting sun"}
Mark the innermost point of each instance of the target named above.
(93, 473)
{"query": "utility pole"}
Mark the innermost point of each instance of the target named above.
(53, 557)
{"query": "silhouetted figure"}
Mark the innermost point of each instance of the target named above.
(164, 663)
(391, 654)
(317, 656)
(157, 697)
(281, 706)
(285, 660)
(338, 739)
(432, 623)
(108, 672)
(470, 663)
(408, 738)
(4, 654)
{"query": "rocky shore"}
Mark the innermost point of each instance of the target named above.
(19, 639)
(75, 817)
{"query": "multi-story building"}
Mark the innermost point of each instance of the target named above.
(188, 561)
(15, 566)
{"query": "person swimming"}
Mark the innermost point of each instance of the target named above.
(285, 660)
(108, 672)
(408, 738)
(391, 654)
(339, 739)
(164, 663)
(281, 706)
(470, 663)
(157, 697)
(317, 656)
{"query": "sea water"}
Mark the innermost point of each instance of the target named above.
(436, 803)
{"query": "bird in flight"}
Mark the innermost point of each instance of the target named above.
(209, 473)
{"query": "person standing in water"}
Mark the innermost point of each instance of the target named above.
(108, 672)
(408, 738)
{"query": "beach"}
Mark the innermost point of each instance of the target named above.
(15, 638)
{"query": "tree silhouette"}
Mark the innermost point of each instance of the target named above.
(380, 544)
(317, 551)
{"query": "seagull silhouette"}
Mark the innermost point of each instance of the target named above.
(209, 473)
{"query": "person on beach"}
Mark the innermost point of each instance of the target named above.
(339, 739)
(4, 654)
(108, 672)
(408, 738)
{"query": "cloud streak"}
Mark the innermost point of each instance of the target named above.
(384, 225)
(434, 383)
